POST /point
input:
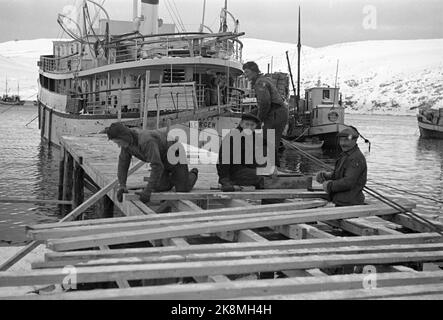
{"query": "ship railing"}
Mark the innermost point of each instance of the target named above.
(60, 64)
(171, 97)
(221, 45)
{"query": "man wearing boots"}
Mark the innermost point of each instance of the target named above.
(152, 147)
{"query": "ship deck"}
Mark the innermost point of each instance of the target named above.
(212, 245)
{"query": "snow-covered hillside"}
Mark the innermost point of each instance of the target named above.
(374, 76)
(18, 62)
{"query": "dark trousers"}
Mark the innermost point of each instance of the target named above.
(246, 177)
(177, 176)
(277, 120)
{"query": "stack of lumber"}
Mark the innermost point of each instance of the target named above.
(87, 234)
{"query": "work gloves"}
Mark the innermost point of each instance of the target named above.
(323, 176)
(325, 185)
(120, 193)
(227, 186)
(145, 195)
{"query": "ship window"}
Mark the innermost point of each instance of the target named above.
(112, 81)
(124, 80)
(64, 83)
(326, 94)
(118, 80)
(106, 82)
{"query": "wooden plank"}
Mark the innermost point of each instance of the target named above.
(249, 235)
(250, 254)
(148, 214)
(410, 223)
(249, 195)
(190, 269)
(181, 242)
(248, 246)
(59, 233)
(375, 293)
(213, 227)
(261, 288)
(121, 283)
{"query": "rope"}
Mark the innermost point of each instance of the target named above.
(374, 193)
(408, 192)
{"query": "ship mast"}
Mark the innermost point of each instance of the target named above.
(297, 98)
(225, 22)
(203, 17)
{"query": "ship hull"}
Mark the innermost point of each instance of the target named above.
(3, 103)
(54, 124)
(430, 131)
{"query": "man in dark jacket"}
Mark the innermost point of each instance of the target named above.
(150, 146)
(272, 111)
(345, 184)
(242, 172)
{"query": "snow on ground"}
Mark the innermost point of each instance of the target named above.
(374, 76)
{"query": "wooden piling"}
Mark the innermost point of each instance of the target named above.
(61, 174)
(68, 179)
(79, 178)
(43, 116)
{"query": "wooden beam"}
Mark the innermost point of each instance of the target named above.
(229, 255)
(74, 214)
(247, 246)
(148, 214)
(256, 289)
(68, 179)
(213, 227)
(85, 205)
(79, 185)
(202, 268)
(410, 223)
(250, 195)
(375, 293)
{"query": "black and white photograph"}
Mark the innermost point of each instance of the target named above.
(222, 156)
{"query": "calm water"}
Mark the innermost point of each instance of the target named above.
(28, 168)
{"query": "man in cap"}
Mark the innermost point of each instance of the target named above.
(243, 172)
(272, 111)
(345, 184)
(150, 146)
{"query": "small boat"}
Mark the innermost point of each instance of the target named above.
(430, 123)
(307, 145)
(13, 100)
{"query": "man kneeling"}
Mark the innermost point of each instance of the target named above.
(244, 171)
(152, 147)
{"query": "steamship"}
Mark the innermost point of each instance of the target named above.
(140, 72)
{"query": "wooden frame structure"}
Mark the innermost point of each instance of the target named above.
(212, 245)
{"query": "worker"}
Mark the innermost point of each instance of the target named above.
(345, 184)
(150, 146)
(272, 110)
(244, 173)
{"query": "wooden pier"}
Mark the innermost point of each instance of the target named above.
(212, 245)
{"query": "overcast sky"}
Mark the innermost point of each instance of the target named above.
(324, 22)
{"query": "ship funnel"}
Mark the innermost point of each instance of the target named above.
(149, 11)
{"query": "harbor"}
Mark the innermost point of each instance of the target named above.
(163, 163)
(211, 236)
